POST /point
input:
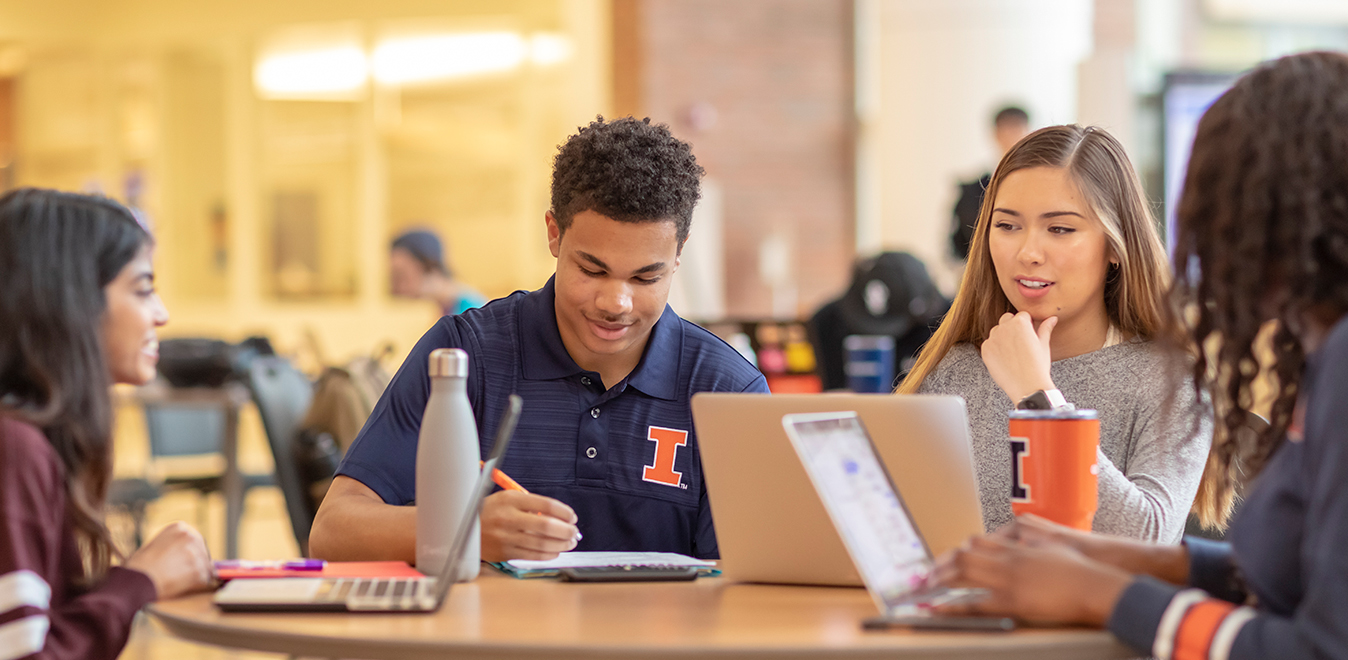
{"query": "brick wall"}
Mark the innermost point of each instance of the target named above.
(763, 91)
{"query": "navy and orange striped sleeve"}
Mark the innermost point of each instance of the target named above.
(1199, 622)
(1172, 623)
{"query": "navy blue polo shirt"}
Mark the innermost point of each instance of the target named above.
(626, 459)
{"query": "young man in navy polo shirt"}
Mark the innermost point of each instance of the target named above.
(606, 444)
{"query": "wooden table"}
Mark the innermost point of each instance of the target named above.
(501, 618)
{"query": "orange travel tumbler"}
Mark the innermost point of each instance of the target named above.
(1054, 474)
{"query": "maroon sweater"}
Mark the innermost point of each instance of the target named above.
(43, 613)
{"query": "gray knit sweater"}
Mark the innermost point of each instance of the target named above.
(1151, 453)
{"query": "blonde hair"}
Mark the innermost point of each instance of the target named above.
(1135, 294)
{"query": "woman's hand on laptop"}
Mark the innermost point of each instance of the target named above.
(518, 525)
(176, 561)
(1166, 562)
(1044, 582)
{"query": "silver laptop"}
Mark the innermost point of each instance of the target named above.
(424, 594)
(770, 524)
(888, 549)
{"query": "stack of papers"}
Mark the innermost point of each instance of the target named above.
(525, 568)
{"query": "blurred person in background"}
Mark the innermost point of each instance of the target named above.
(418, 269)
(1261, 258)
(80, 314)
(1009, 125)
(1061, 304)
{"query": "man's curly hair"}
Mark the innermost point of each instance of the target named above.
(629, 170)
(1263, 231)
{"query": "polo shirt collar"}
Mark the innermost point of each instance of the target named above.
(658, 372)
(545, 357)
(544, 354)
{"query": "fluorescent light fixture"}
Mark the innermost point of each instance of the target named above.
(320, 72)
(547, 49)
(439, 57)
(320, 61)
(1306, 12)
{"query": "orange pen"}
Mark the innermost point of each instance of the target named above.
(504, 481)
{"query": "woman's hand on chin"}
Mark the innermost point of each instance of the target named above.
(1017, 356)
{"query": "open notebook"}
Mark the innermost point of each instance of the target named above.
(525, 568)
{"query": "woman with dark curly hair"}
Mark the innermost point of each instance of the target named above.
(1262, 253)
(80, 314)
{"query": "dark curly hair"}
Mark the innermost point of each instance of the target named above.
(1263, 236)
(628, 170)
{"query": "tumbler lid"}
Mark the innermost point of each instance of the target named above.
(449, 363)
(1080, 413)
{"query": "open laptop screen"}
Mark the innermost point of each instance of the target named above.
(860, 497)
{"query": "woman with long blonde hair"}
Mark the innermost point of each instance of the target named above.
(1063, 303)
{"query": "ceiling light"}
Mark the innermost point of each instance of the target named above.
(546, 49)
(445, 56)
(318, 73)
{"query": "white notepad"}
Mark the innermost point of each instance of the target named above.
(531, 568)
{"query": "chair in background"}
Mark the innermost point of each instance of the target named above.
(283, 395)
(132, 496)
(183, 423)
(890, 295)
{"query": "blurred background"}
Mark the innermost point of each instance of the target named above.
(277, 148)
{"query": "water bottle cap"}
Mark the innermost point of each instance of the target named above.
(449, 363)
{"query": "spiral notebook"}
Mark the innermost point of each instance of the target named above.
(526, 568)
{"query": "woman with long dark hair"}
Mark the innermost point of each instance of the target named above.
(1261, 256)
(1064, 300)
(78, 313)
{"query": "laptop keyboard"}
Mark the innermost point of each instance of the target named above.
(380, 593)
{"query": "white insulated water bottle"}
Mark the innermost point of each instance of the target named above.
(448, 460)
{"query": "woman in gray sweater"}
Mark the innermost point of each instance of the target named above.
(1269, 176)
(1061, 302)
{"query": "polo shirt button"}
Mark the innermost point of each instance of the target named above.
(584, 380)
(594, 412)
(591, 453)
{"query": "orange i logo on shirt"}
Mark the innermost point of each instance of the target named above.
(667, 443)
